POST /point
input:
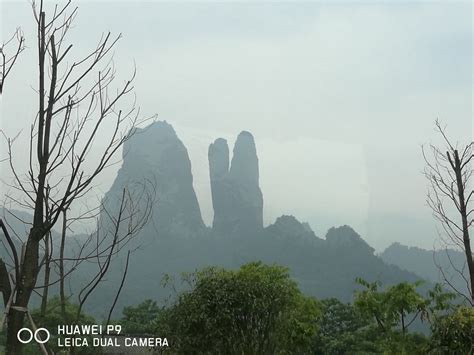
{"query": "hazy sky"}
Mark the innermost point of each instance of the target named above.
(339, 96)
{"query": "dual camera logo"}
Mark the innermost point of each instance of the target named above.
(26, 335)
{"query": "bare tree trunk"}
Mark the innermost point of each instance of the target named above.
(5, 286)
(49, 191)
(457, 167)
(450, 172)
(402, 313)
(62, 296)
(29, 264)
(47, 272)
(25, 286)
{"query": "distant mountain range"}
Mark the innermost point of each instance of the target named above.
(432, 265)
(176, 239)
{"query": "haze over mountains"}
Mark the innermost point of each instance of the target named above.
(289, 76)
(435, 266)
(176, 240)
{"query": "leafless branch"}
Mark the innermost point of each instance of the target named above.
(449, 173)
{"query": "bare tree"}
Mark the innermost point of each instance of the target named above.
(7, 61)
(449, 172)
(113, 232)
(80, 111)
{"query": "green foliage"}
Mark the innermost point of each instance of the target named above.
(440, 302)
(341, 328)
(400, 304)
(371, 302)
(141, 319)
(3, 340)
(454, 333)
(396, 342)
(257, 309)
(54, 317)
(346, 330)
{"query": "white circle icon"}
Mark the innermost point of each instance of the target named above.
(32, 335)
(38, 339)
(27, 330)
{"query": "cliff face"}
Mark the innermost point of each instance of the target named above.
(236, 195)
(155, 154)
(219, 175)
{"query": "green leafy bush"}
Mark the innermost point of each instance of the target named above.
(454, 333)
(256, 309)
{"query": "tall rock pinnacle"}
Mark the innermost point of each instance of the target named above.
(218, 171)
(244, 167)
(156, 154)
(218, 159)
(236, 195)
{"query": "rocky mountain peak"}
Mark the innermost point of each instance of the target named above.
(289, 228)
(236, 195)
(345, 236)
(244, 165)
(155, 153)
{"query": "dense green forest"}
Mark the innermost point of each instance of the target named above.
(259, 309)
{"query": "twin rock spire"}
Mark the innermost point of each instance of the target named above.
(236, 195)
(157, 154)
